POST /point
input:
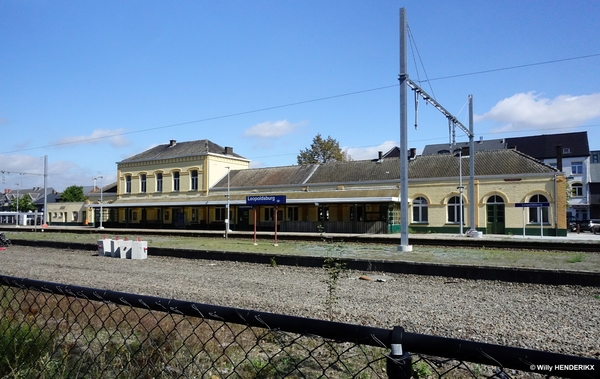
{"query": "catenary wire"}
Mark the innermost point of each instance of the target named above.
(297, 103)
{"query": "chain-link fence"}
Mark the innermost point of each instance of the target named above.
(50, 330)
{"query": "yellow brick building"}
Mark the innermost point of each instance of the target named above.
(191, 184)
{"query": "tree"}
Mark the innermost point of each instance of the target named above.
(72, 194)
(25, 204)
(323, 151)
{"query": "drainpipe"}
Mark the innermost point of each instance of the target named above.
(555, 207)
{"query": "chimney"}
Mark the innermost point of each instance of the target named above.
(412, 153)
(172, 143)
(379, 156)
(480, 139)
(559, 157)
(228, 150)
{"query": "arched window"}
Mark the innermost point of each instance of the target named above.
(534, 212)
(128, 184)
(159, 182)
(194, 180)
(455, 212)
(419, 206)
(143, 183)
(495, 199)
(577, 189)
(176, 181)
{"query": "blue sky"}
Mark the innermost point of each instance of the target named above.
(89, 83)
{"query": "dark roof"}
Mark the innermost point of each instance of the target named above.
(540, 147)
(544, 146)
(482, 145)
(175, 149)
(487, 163)
(36, 194)
(270, 176)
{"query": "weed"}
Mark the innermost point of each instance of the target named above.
(576, 258)
(597, 297)
(421, 370)
(22, 347)
(273, 262)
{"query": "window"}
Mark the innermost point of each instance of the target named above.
(576, 167)
(269, 214)
(176, 181)
(128, 184)
(220, 213)
(292, 214)
(455, 212)
(419, 207)
(360, 212)
(577, 189)
(194, 180)
(159, 182)
(324, 213)
(495, 200)
(143, 183)
(534, 212)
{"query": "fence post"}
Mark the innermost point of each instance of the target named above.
(399, 363)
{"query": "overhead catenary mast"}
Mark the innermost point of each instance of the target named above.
(453, 122)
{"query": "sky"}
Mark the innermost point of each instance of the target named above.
(90, 83)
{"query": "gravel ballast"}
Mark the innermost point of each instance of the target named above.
(561, 319)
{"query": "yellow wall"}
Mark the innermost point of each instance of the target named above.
(438, 194)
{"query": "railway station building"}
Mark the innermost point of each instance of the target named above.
(202, 185)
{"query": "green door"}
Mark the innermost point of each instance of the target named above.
(495, 218)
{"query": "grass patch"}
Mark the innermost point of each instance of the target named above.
(576, 258)
(540, 259)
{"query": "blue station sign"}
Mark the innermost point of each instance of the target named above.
(265, 200)
(532, 205)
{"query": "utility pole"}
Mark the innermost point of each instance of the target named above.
(404, 246)
(472, 199)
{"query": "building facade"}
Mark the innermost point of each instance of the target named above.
(201, 185)
(568, 152)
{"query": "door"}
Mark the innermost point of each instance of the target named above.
(495, 215)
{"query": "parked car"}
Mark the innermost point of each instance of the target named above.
(583, 225)
(594, 226)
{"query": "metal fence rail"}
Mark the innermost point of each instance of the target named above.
(50, 330)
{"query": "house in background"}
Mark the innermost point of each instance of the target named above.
(569, 152)
(594, 185)
(35, 194)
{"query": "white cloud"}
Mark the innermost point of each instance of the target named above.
(25, 171)
(115, 138)
(530, 110)
(371, 152)
(272, 129)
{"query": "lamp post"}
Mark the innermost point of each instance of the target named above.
(227, 207)
(460, 189)
(99, 177)
(17, 184)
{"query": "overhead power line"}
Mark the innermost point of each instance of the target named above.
(514, 67)
(296, 103)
